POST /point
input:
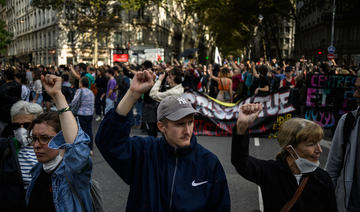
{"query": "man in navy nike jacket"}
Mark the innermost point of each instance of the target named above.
(171, 173)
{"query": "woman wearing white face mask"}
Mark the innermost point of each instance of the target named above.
(22, 114)
(292, 182)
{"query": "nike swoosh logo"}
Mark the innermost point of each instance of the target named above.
(197, 184)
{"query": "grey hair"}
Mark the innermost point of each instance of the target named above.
(358, 73)
(27, 108)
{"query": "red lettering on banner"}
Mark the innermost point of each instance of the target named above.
(219, 130)
(207, 129)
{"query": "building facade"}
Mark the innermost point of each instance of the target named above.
(274, 37)
(48, 37)
(313, 33)
(35, 33)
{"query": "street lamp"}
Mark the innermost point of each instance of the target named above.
(333, 23)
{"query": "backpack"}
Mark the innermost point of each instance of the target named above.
(94, 89)
(92, 83)
(69, 93)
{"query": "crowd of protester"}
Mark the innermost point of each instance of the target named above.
(93, 91)
(35, 105)
(229, 82)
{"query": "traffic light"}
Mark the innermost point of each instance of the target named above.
(319, 55)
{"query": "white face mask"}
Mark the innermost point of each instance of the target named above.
(20, 135)
(304, 165)
(51, 165)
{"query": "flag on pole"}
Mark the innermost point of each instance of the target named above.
(217, 56)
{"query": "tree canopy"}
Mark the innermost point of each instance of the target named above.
(89, 21)
(5, 36)
(230, 22)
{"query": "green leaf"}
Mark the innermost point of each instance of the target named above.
(5, 37)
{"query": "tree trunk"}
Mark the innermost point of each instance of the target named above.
(182, 43)
(96, 46)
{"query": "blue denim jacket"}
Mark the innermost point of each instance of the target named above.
(77, 166)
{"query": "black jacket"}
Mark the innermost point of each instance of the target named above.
(278, 183)
(12, 193)
(9, 94)
(160, 177)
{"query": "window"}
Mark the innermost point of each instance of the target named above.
(48, 16)
(287, 29)
(103, 11)
(44, 17)
(49, 36)
(117, 11)
(139, 36)
(44, 39)
(34, 20)
(39, 18)
(287, 41)
(54, 38)
(40, 43)
(71, 36)
(118, 39)
(140, 12)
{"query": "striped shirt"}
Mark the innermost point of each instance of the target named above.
(27, 159)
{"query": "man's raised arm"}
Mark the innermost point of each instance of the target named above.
(141, 83)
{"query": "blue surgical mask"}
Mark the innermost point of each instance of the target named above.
(304, 165)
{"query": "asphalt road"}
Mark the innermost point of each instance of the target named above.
(244, 194)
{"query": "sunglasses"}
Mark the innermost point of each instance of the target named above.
(16, 126)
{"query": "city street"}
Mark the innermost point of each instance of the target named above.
(222, 62)
(244, 194)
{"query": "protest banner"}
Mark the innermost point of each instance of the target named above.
(328, 97)
(215, 118)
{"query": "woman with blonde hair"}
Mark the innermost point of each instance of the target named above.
(294, 180)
